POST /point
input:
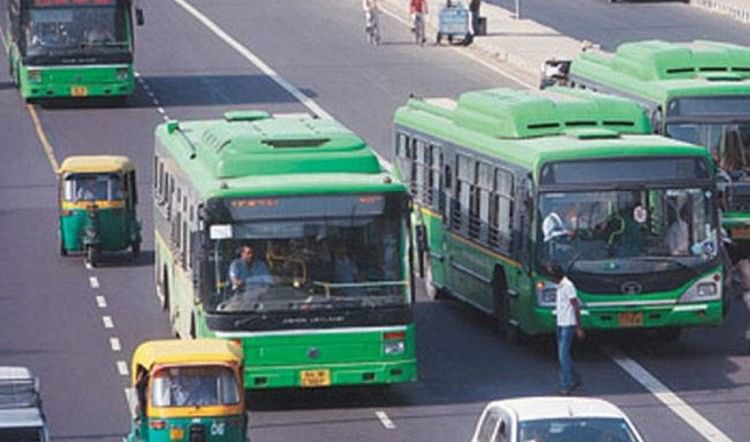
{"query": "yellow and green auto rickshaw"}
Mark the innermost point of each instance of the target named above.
(188, 390)
(97, 195)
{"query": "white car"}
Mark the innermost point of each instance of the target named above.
(554, 419)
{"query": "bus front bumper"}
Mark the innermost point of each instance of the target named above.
(708, 313)
(55, 82)
(328, 375)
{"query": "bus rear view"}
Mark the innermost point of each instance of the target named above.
(71, 48)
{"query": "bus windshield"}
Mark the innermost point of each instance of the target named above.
(629, 230)
(75, 30)
(194, 387)
(310, 264)
(729, 143)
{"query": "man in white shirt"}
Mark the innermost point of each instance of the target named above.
(568, 311)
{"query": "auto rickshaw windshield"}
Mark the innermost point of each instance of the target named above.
(194, 387)
(92, 187)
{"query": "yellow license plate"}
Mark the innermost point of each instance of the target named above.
(741, 232)
(630, 319)
(79, 91)
(315, 378)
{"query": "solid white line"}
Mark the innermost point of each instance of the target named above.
(122, 368)
(107, 320)
(101, 302)
(94, 282)
(114, 343)
(132, 401)
(667, 397)
(308, 102)
(385, 420)
(255, 60)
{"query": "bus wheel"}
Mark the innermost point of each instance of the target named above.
(432, 292)
(135, 249)
(63, 250)
(510, 331)
(92, 256)
(165, 292)
(668, 334)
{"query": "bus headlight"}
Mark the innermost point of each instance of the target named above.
(546, 294)
(34, 75)
(705, 289)
(394, 347)
(123, 74)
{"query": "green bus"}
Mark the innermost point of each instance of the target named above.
(697, 92)
(71, 48)
(505, 182)
(327, 297)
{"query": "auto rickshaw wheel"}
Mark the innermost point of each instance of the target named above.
(92, 256)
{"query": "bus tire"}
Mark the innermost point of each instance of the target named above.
(63, 250)
(509, 331)
(668, 334)
(165, 291)
(135, 249)
(192, 327)
(432, 292)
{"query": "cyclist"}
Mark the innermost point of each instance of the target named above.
(372, 12)
(418, 11)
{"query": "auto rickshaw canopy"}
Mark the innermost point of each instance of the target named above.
(189, 352)
(96, 164)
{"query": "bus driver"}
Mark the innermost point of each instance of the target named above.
(246, 272)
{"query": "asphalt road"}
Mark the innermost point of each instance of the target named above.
(53, 321)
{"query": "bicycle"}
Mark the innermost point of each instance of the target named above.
(372, 28)
(418, 29)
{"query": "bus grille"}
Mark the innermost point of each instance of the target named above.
(613, 284)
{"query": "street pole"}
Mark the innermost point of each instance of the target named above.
(518, 9)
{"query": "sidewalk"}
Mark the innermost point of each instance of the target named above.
(737, 9)
(524, 44)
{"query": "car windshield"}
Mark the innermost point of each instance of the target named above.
(355, 262)
(194, 387)
(92, 187)
(729, 143)
(590, 228)
(75, 29)
(21, 434)
(576, 430)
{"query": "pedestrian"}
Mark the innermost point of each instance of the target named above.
(474, 6)
(568, 311)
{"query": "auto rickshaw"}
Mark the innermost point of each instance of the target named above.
(188, 390)
(98, 197)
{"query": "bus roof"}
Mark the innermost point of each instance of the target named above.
(252, 152)
(660, 70)
(530, 128)
(177, 351)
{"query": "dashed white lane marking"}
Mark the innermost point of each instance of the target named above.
(122, 368)
(161, 110)
(88, 265)
(101, 302)
(108, 323)
(385, 420)
(114, 343)
(94, 282)
(132, 401)
(254, 59)
(666, 396)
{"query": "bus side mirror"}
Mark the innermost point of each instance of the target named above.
(140, 19)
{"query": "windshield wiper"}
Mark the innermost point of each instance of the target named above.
(673, 260)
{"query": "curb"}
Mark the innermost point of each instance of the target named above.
(740, 13)
(484, 49)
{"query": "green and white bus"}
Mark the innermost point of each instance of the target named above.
(697, 92)
(71, 48)
(328, 227)
(505, 182)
